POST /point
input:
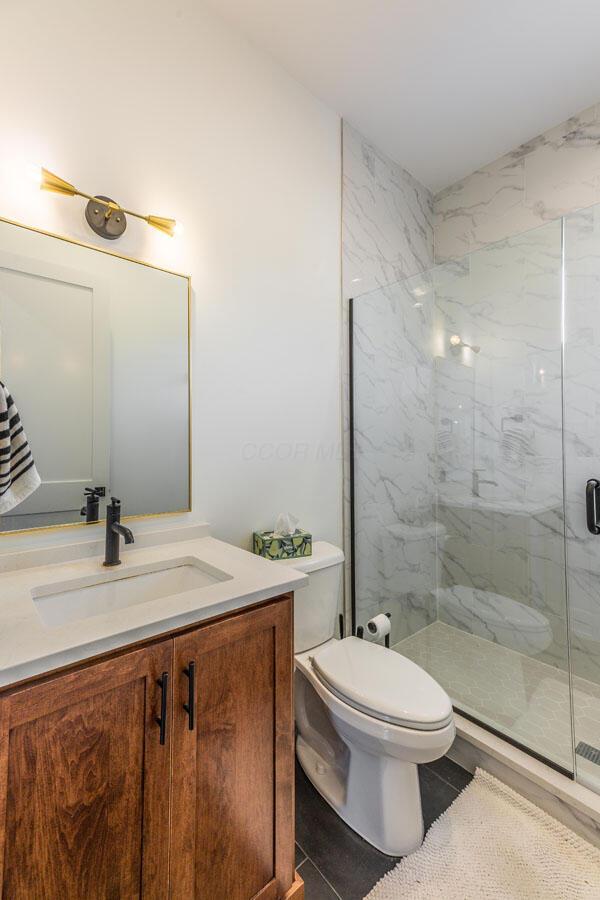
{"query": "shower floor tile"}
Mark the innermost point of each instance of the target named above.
(524, 698)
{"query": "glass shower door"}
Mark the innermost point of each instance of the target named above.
(582, 466)
(501, 631)
(458, 482)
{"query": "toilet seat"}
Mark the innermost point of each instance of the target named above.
(382, 684)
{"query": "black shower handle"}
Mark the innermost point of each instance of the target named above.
(591, 505)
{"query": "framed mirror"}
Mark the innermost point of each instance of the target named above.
(95, 357)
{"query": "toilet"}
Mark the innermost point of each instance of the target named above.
(366, 716)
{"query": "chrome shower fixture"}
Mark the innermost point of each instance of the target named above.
(456, 343)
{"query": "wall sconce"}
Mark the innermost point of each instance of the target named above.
(104, 216)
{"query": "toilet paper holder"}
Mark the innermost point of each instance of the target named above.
(375, 629)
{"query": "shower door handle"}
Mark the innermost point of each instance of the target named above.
(591, 505)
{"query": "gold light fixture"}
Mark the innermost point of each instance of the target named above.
(104, 216)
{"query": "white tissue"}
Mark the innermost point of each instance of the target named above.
(377, 627)
(286, 524)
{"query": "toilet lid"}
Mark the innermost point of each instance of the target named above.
(382, 684)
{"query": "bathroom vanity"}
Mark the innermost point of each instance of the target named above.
(146, 744)
(146, 722)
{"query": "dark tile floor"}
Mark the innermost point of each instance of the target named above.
(333, 860)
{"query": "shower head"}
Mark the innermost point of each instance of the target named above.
(456, 343)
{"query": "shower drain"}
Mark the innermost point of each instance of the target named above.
(588, 752)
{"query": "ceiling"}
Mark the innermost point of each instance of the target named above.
(441, 86)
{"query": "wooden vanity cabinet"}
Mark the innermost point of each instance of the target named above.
(162, 772)
(233, 793)
(85, 783)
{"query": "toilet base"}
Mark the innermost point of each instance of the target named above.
(377, 796)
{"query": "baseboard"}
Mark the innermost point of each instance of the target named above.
(574, 805)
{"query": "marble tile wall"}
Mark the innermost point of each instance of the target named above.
(499, 410)
(498, 426)
(387, 219)
(396, 534)
(546, 178)
(387, 235)
(551, 175)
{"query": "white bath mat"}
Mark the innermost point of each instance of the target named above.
(492, 844)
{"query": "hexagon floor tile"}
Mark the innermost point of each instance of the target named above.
(518, 695)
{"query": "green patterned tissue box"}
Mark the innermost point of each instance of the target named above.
(289, 546)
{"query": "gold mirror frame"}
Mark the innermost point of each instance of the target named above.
(141, 262)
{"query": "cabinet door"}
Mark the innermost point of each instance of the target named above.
(84, 783)
(233, 788)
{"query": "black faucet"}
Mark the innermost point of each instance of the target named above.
(91, 510)
(113, 531)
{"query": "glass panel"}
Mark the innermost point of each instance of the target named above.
(582, 463)
(394, 446)
(459, 482)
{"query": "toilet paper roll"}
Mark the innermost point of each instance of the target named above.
(378, 627)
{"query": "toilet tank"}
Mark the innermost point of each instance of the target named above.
(316, 606)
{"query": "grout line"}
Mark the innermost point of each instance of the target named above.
(304, 856)
(447, 783)
(327, 882)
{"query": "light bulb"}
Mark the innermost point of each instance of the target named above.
(455, 340)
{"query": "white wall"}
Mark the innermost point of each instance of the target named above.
(167, 110)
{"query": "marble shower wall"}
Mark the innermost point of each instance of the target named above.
(387, 220)
(545, 178)
(503, 298)
(396, 532)
(499, 436)
(551, 175)
(387, 235)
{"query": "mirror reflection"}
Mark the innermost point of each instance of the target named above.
(94, 368)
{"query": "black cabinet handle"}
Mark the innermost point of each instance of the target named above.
(591, 505)
(161, 721)
(190, 672)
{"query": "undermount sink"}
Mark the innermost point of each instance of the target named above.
(94, 595)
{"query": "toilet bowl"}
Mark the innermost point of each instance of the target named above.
(366, 716)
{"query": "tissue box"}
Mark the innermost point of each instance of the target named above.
(290, 546)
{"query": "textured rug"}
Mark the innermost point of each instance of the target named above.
(492, 844)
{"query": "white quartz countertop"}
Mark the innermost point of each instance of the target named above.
(28, 647)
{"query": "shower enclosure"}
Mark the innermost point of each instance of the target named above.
(476, 440)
